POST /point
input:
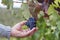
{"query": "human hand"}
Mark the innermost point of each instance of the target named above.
(17, 30)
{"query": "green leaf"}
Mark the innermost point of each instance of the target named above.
(58, 25)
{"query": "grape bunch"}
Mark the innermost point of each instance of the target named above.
(31, 22)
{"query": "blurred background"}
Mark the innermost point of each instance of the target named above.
(6, 15)
(14, 11)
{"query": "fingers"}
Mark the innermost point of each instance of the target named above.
(24, 33)
(34, 31)
(19, 25)
(31, 32)
(23, 23)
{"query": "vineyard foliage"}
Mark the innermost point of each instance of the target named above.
(49, 28)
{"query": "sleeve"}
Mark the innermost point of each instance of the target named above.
(5, 31)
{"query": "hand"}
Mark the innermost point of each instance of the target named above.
(17, 30)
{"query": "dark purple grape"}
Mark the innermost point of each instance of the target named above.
(31, 23)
